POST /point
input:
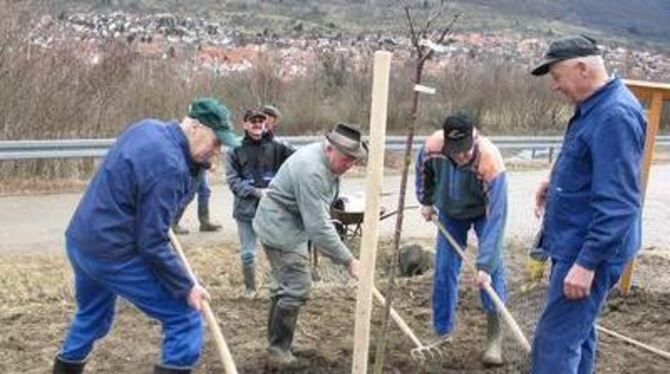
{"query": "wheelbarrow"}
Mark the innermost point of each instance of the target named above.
(348, 224)
(347, 215)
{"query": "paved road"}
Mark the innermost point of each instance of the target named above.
(38, 222)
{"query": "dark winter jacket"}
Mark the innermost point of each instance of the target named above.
(249, 169)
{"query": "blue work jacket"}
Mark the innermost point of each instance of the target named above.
(130, 202)
(593, 207)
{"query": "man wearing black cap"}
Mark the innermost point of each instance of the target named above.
(462, 174)
(249, 169)
(591, 203)
(295, 210)
(117, 240)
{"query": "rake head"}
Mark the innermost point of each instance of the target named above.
(432, 351)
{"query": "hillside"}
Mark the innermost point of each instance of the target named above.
(645, 20)
(629, 22)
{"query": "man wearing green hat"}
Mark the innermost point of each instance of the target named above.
(117, 240)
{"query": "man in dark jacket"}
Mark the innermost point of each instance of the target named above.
(118, 244)
(249, 169)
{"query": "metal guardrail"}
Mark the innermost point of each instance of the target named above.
(80, 148)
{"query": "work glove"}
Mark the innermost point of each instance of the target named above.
(535, 264)
(535, 270)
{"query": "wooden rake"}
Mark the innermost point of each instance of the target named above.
(212, 323)
(507, 317)
(422, 352)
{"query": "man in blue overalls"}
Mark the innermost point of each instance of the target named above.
(592, 203)
(117, 240)
(462, 173)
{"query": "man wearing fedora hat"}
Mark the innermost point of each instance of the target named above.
(295, 210)
(591, 203)
(117, 240)
(462, 174)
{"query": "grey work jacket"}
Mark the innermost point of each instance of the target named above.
(296, 207)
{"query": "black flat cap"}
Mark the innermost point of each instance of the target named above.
(565, 49)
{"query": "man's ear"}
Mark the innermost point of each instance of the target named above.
(582, 68)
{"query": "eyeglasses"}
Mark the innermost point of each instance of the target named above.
(256, 120)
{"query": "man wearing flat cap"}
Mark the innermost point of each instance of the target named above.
(273, 115)
(117, 240)
(295, 210)
(591, 203)
(461, 173)
(250, 167)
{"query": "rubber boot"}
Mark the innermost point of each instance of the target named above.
(249, 272)
(158, 369)
(66, 367)
(178, 230)
(273, 306)
(283, 321)
(493, 353)
(205, 224)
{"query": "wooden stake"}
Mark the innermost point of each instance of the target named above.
(655, 93)
(375, 174)
(212, 323)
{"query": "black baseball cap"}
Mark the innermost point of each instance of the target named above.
(565, 49)
(458, 133)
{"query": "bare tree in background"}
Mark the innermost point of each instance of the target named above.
(423, 39)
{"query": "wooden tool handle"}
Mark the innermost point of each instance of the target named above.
(396, 317)
(634, 342)
(222, 347)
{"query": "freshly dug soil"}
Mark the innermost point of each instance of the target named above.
(36, 305)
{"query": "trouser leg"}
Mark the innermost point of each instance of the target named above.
(565, 337)
(249, 243)
(95, 312)
(447, 270)
(293, 283)
(181, 325)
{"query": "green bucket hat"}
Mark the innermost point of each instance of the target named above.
(211, 113)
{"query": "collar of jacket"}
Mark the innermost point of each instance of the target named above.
(179, 136)
(585, 106)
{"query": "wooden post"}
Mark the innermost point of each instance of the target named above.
(655, 93)
(375, 174)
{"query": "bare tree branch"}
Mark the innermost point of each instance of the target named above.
(432, 18)
(413, 36)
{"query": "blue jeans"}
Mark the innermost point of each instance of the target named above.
(248, 240)
(565, 337)
(99, 281)
(447, 272)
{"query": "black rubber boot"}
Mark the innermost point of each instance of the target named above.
(249, 272)
(66, 367)
(165, 370)
(205, 224)
(282, 328)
